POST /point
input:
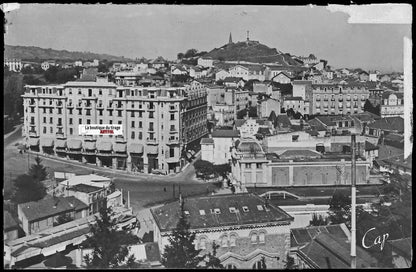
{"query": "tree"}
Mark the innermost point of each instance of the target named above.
(27, 189)
(190, 53)
(222, 169)
(290, 262)
(110, 246)
(181, 252)
(318, 220)
(204, 168)
(211, 259)
(180, 56)
(339, 208)
(38, 171)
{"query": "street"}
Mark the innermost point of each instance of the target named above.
(144, 189)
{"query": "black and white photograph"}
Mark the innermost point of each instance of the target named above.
(210, 136)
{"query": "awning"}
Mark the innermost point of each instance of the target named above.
(90, 145)
(104, 146)
(33, 141)
(60, 143)
(74, 144)
(46, 142)
(120, 147)
(135, 148)
(152, 149)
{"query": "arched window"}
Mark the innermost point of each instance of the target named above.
(253, 238)
(224, 241)
(233, 238)
(259, 265)
(231, 266)
(262, 238)
(203, 243)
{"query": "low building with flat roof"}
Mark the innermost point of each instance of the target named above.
(36, 216)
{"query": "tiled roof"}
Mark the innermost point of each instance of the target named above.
(84, 188)
(8, 221)
(214, 211)
(239, 122)
(282, 120)
(402, 246)
(326, 120)
(207, 141)
(302, 236)
(232, 79)
(389, 124)
(225, 133)
(369, 146)
(296, 98)
(393, 137)
(329, 251)
(50, 206)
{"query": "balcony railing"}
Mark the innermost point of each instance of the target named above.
(32, 133)
(70, 105)
(151, 141)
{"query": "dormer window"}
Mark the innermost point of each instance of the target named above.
(232, 210)
(260, 207)
(186, 212)
(217, 211)
(245, 209)
(202, 212)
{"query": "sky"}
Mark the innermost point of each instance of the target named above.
(161, 30)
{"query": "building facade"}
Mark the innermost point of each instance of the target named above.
(245, 226)
(251, 167)
(392, 104)
(158, 123)
(328, 99)
(14, 65)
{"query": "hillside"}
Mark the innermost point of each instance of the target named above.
(252, 52)
(33, 53)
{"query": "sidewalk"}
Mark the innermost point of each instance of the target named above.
(111, 171)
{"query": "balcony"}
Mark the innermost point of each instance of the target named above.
(60, 134)
(151, 108)
(59, 104)
(70, 105)
(340, 99)
(88, 106)
(100, 106)
(318, 99)
(151, 141)
(32, 133)
(173, 141)
(173, 109)
(60, 125)
(79, 106)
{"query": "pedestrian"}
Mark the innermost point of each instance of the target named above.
(164, 189)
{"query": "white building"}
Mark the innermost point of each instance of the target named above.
(206, 62)
(78, 63)
(392, 104)
(217, 149)
(221, 74)
(14, 65)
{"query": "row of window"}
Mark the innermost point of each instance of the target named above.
(257, 166)
(231, 240)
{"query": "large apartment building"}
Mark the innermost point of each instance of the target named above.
(159, 123)
(332, 99)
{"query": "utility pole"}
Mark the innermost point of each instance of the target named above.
(353, 205)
